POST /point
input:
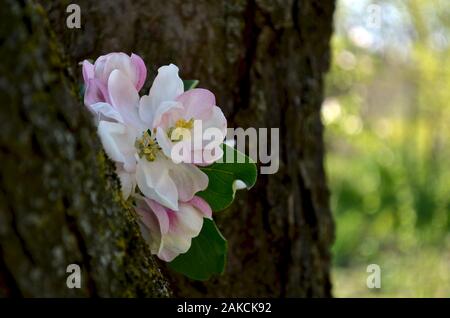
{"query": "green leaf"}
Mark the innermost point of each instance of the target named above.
(206, 256)
(190, 84)
(222, 176)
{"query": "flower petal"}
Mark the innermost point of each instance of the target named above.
(198, 103)
(124, 97)
(118, 142)
(188, 179)
(161, 115)
(214, 132)
(99, 69)
(146, 110)
(88, 70)
(164, 142)
(141, 70)
(190, 220)
(105, 111)
(127, 182)
(185, 224)
(166, 114)
(169, 233)
(167, 85)
(150, 227)
(119, 61)
(161, 213)
(94, 92)
(216, 120)
(154, 181)
(201, 205)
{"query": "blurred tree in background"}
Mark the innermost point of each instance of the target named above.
(387, 120)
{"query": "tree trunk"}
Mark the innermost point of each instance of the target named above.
(264, 60)
(59, 199)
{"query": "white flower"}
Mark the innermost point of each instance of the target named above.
(129, 141)
(174, 114)
(169, 232)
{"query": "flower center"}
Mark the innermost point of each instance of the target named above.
(188, 124)
(147, 146)
(177, 132)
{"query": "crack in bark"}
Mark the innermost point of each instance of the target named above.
(294, 13)
(22, 242)
(7, 279)
(250, 36)
(307, 206)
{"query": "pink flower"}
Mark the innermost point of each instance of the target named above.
(143, 157)
(169, 233)
(96, 76)
(171, 113)
(137, 134)
(139, 160)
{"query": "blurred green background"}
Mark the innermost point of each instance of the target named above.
(387, 118)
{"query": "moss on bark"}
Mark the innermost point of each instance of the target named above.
(59, 199)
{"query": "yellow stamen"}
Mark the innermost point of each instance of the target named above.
(147, 147)
(181, 123)
(180, 129)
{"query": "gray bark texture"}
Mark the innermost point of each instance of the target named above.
(264, 60)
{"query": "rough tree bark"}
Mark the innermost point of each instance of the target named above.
(265, 61)
(59, 199)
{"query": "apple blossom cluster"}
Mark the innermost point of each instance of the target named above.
(139, 134)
